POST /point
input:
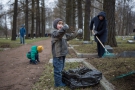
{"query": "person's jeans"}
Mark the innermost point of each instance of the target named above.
(100, 49)
(58, 64)
(22, 39)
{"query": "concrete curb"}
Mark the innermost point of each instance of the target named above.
(70, 60)
(104, 83)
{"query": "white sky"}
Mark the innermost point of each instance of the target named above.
(47, 2)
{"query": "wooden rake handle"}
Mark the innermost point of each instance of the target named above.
(98, 40)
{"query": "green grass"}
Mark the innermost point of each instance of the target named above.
(75, 42)
(91, 48)
(46, 81)
(7, 43)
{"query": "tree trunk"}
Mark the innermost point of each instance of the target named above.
(69, 14)
(37, 19)
(80, 18)
(109, 8)
(26, 19)
(14, 20)
(74, 14)
(43, 18)
(86, 20)
(6, 33)
(32, 19)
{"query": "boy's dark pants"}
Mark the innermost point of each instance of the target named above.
(58, 64)
(100, 49)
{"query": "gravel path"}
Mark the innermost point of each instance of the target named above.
(15, 71)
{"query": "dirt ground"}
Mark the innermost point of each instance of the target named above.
(15, 71)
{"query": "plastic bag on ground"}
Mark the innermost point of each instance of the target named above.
(82, 77)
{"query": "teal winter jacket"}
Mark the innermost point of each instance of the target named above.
(33, 53)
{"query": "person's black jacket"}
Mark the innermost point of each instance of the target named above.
(100, 26)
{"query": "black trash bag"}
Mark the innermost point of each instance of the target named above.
(81, 78)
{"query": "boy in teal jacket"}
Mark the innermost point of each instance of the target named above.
(33, 54)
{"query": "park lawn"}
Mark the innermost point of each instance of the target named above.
(46, 81)
(7, 43)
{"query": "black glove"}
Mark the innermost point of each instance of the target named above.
(96, 34)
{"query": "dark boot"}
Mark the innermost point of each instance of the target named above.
(38, 61)
(30, 62)
(34, 62)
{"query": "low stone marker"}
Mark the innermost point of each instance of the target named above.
(131, 41)
(109, 48)
(87, 42)
(127, 54)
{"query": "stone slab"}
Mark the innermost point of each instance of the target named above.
(109, 48)
(4, 48)
(71, 60)
(131, 41)
(86, 55)
(87, 42)
(127, 54)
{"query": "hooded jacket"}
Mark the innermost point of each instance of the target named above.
(22, 31)
(59, 40)
(33, 53)
(100, 26)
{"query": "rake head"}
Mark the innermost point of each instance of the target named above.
(108, 55)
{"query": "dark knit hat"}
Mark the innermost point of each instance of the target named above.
(55, 22)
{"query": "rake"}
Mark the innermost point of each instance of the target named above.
(124, 75)
(106, 54)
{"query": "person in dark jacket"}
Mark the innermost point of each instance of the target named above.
(100, 31)
(33, 54)
(22, 34)
(60, 48)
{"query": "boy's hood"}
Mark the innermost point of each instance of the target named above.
(55, 22)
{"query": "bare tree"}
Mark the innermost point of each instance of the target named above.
(37, 18)
(5, 31)
(14, 21)
(86, 20)
(80, 18)
(43, 18)
(32, 18)
(109, 8)
(68, 13)
(26, 18)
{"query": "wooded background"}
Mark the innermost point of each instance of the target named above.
(38, 17)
